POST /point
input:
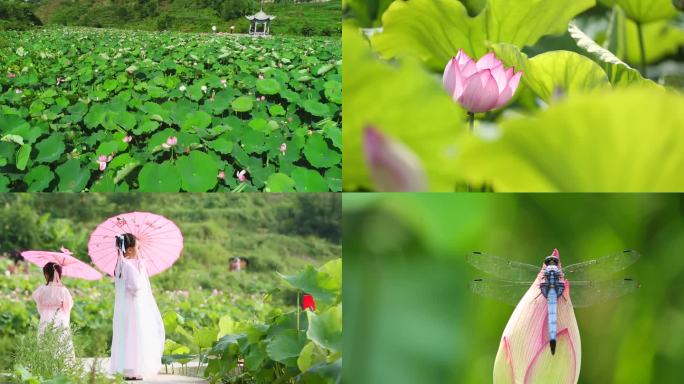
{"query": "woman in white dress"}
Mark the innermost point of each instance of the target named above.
(138, 340)
(54, 304)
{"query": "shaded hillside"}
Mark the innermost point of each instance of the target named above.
(16, 15)
(192, 15)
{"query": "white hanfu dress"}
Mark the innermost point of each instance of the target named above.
(138, 330)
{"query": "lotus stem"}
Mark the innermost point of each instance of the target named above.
(298, 312)
(642, 49)
(471, 121)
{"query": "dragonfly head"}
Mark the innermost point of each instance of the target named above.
(551, 260)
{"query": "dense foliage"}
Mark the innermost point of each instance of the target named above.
(194, 15)
(598, 79)
(95, 110)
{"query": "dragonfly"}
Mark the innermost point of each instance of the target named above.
(589, 281)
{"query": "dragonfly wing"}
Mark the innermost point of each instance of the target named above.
(586, 293)
(509, 292)
(591, 269)
(503, 268)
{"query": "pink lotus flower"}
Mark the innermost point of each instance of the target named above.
(480, 86)
(241, 176)
(261, 77)
(18, 91)
(283, 148)
(128, 139)
(393, 166)
(170, 142)
(263, 98)
(222, 175)
(224, 82)
(524, 355)
(102, 161)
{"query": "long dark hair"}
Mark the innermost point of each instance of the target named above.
(123, 242)
(49, 270)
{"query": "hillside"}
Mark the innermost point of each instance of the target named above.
(322, 18)
(277, 233)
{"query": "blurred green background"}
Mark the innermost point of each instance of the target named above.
(411, 318)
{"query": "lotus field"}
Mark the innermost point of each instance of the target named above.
(103, 110)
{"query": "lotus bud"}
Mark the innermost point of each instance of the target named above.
(525, 354)
(393, 166)
(480, 86)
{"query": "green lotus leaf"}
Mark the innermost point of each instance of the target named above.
(198, 172)
(243, 104)
(159, 178)
(50, 149)
(316, 108)
(285, 347)
(325, 329)
(588, 143)
(434, 30)
(278, 182)
(196, 120)
(308, 180)
(268, 86)
(72, 177)
(39, 178)
(554, 72)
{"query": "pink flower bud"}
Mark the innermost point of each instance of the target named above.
(393, 166)
(102, 161)
(171, 141)
(480, 86)
(11, 75)
(525, 355)
(222, 175)
(283, 148)
(127, 139)
(241, 176)
(261, 77)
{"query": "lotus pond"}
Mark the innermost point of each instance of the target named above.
(104, 110)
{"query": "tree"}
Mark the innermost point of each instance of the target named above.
(232, 9)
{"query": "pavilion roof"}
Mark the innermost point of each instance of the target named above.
(260, 16)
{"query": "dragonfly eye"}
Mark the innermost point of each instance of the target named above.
(551, 260)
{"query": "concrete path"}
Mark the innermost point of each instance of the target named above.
(162, 377)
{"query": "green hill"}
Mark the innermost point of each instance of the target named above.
(192, 15)
(277, 233)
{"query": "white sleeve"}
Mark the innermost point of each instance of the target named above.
(132, 277)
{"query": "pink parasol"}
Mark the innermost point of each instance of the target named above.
(160, 242)
(71, 266)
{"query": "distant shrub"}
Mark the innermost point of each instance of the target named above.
(308, 30)
(164, 23)
(233, 9)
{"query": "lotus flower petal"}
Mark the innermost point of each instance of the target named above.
(481, 93)
(488, 61)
